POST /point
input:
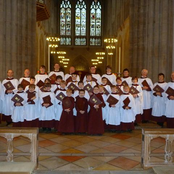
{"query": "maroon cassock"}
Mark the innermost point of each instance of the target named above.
(81, 119)
(66, 124)
(96, 124)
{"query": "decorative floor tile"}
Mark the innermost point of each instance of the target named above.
(124, 163)
(71, 151)
(115, 148)
(45, 143)
(86, 148)
(70, 167)
(121, 136)
(71, 158)
(71, 143)
(56, 148)
(108, 167)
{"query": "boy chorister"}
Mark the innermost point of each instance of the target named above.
(66, 124)
(138, 97)
(81, 106)
(47, 111)
(95, 124)
(58, 103)
(127, 110)
(56, 85)
(147, 87)
(105, 85)
(89, 80)
(113, 115)
(126, 78)
(9, 85)
(31, 108)
(25, 80)
(32, 82)
(19, 101)
(110, 76)
(170, 102)
(40, 78)
(159, 99)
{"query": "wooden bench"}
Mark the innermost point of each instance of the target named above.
(19, 167)
(147, 136)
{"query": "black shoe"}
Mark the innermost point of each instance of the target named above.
(8, 123)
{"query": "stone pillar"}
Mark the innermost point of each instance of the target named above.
(17, 36)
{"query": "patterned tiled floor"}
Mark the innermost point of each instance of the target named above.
(112, 151)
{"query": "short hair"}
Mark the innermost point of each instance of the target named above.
(47, 85)
(161, 74)
(59, 77)
(74, 74)
(47, 79)
(92, 66)
(80, 82)
(81, 90)
(126, 86)
(32, 77)
(118, 78)
(69, 90)
(135, 77)
(104, 78)
(88, 74)
(63, 82)
(96, 86)
(20, 86)
(108, 66)
(126, 69)
(43, 66)
(31, 86)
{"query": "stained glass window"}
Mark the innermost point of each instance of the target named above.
(80, 23)
(95, 23)
(65, 22)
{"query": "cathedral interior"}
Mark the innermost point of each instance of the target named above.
(133, 34)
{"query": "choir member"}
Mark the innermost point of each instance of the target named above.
(81, 106)
(19, 101)
(32, 82)
(56, 85)
(104, 83)
(32, 108)
(104, 95)
(138, 97)
(74, 77)
(66, 124)
(96, 124)
(9, 85)
(53, 74)
(89, 80)
(127, 110)
(113, 116)
(119, 85)
(158, 100)
(25, 80)
(126, 78)
(40, 78)
(147, 87)
(95, 77)
(170, 102)
(80, 87)
(68, 77)
(110, 76)
(47, 111)
(58, 103)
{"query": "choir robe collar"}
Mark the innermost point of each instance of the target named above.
(114, 93)
(124, 77)
(56, 71)
(172, 81)
(47, 91)
(108, 74)
(119, 85)
(9, 78)
(26, 77)
(20, 92)
(135, 84)
(104, 85)
(41, 73)
(163, 82)
(62, 89)
(126, 93)
(143, 77)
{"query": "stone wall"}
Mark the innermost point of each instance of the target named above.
(17, 36)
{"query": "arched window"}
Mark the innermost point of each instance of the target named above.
(65, 23)
(80, 23)
(95, 23)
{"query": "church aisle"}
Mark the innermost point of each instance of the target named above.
(110, 152)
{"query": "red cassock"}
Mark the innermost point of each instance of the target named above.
(81, 119)
(66, 124)
(96, 124)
